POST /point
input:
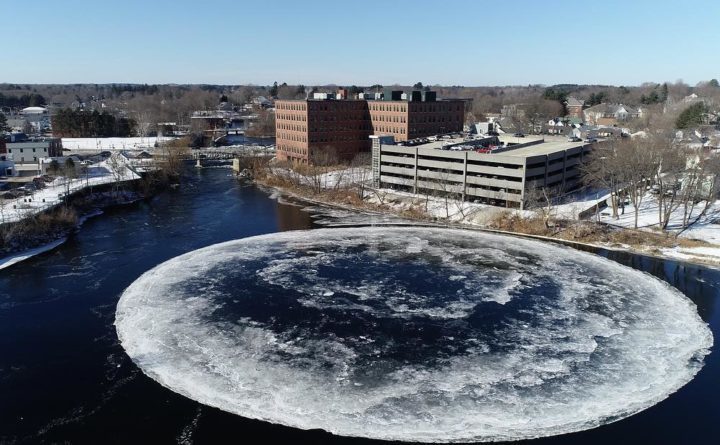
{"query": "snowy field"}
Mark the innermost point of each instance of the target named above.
(53, 194)
(102, 144)
(707, 227)
(648, 215)
(331, 180)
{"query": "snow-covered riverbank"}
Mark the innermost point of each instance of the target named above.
(15, 258)
(399, 207)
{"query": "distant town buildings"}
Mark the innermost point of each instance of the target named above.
(29, 119)
(338, 126)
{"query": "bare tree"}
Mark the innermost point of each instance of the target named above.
(603, 169)
(539, 110)
(117, 168)
(69, 172)
(264, 126)
(542, 200)
(699, 184)
(360, 173)
(641, 163)
(144, 124)
(321, 161)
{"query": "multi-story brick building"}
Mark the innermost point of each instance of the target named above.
(574, 107)
(312, 129)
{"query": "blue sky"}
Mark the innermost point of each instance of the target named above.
(450, 42)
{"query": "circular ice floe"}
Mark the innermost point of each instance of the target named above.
(412, 334)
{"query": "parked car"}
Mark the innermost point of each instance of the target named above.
(519, 135)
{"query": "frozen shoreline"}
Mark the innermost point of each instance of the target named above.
(15, 258)
(680, 254)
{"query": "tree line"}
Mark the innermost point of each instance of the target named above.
(22, 101)
(80, 124)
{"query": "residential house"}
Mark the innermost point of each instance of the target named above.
(610, 114)
(31, 151)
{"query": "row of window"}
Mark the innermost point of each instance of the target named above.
(292, 149)
(393, 130)
(427, 108)
(283, 126)
(339, 117)
(291, 117)
(385, 118)
(340, 105)
(296, 106)
(292, 137)
(388, 107)
(334, 137)
(346, 127)
(424, 119)
(10, 150)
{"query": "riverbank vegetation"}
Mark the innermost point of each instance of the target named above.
(37, 229)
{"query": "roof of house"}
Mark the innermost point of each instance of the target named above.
(573, 102)
(611, 108)
(34, 110)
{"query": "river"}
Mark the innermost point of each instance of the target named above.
(64, 377)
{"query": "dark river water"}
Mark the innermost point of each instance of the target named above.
(65, 378)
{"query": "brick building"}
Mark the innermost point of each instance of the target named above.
(574, 107)
(315, 128)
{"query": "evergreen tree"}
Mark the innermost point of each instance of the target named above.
(81, 123)
(664, 93)
(692, 116)
(54, 167)
(274, 90)
(714, 83)
(4, 127)
(69, 168)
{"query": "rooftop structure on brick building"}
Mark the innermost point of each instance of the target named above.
(339, 125)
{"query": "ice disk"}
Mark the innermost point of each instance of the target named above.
(413, 334)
